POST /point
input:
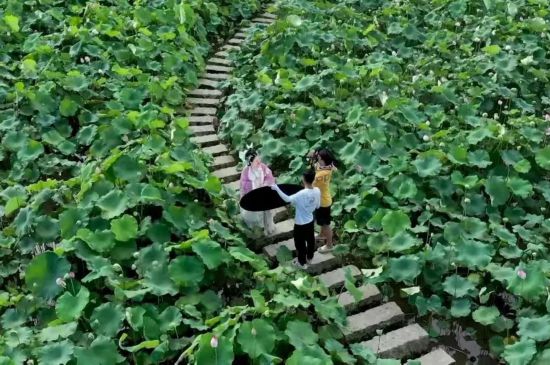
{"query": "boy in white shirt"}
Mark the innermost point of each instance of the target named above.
(305, 201)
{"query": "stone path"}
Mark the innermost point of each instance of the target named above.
(377, 325)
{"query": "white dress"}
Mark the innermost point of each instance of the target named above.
(258, 219)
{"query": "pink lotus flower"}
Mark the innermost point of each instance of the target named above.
(522, 274)
(214, 342)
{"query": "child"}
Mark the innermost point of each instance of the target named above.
(324, 166)
(305, 201)
(255, 175)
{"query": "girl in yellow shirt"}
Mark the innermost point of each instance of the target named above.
(324, 166)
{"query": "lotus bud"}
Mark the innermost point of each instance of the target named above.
(393, 53)
(467, 200)
(500, 102)
(97, 170)
(134, 266)
(81, 60)
(495, 116)
(484, 115)
(522, 274)
(505, 219)
(508, 47)
(534, 254)
(214, 342)
(87, 59)
(135, 254)
(135, 214)
(292, 116)
(547, 117)
(94, 31)
(171, 185)
(453, 264)
(253, 331)
(425, 138)
(101, 71)
(521, 18)
(196, 200)
(476, 39)
(117, 267)
(155, 263)
(543, 209)
(337, 130)
(427, 122)
(125, 139)
(457, 24)
(441, 144)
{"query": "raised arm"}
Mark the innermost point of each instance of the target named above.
(286, 198)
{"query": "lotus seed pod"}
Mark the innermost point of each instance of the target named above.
(117, 267)
(508, 47)
(484, 115)
(505, 219)
(87, 59)
(81, 60)
(457, 24)
(90, 336)
(134, 267)
(135, 214)
(393, 53)
(426, 138)
(427, 122)
(500, 102)
(534, 254)
(467, 200)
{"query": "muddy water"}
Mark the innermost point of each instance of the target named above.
(465, 344)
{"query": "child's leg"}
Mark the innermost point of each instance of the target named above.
(310, 239)
(326, 232)
(300, 243)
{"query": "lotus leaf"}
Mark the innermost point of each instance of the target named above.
(458, 286)
(535, 328)
(256, 338)
(404, 268)
(486, 315)
(43, 272)
(520, 353)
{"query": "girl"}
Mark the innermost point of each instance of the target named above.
(255, 175)
(324, 165)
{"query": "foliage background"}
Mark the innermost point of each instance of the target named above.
(438, 111)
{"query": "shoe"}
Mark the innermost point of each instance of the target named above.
(308, 261)
(324, 249)
(296, 263)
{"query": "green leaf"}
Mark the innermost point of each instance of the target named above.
(186, 270)
(402, 242)
(395, 222)
(535, 328)
(427, 166)
(124, 228)
(113, 204)
(69, 307)
(58, 353)
(461, 307)
(256, 338)
(100, 241)
(210, 252)
(497, 189)
(12, 22)
(106, 319)
(520, 187)
(492, 49)
(458, 286)
(486, 315)
(300, 334)
(543, 158)
(520, 353)
(13, 204)
(221, 354)
(68, 107)
(53, 333)
(42, 273)
(402, 187)
(102, 351)
(294, 20)
(404, 269)
(473, 254)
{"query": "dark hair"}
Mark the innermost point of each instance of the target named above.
(326, 156)
(250, 156)
(309, 176)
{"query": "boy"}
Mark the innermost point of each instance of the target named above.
(324, 167)
(305, 201)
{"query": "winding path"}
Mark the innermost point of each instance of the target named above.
(377, 325)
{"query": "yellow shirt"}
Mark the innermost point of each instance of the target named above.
(323, 175)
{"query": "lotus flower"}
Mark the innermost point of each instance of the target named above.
(214, 342)
(522, 274)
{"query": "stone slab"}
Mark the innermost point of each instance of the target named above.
(370, 294)
(436, 357)
(336, 278)
(206, 140)
(216, 76)
(365, 324)
(203, 101)
(201, 130)
(216, 150)
(223, 161)
(227, 174)
(209, 83)
(209, 93)
(218, 68)
(203, 110)
(401, 343)
(201, 119)
(219, 61)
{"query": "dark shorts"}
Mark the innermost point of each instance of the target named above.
(322, 216)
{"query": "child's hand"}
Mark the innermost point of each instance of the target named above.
(273, 186)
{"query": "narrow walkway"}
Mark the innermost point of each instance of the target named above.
(367, 317)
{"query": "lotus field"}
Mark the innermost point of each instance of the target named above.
(118, 246)
(440, 113)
